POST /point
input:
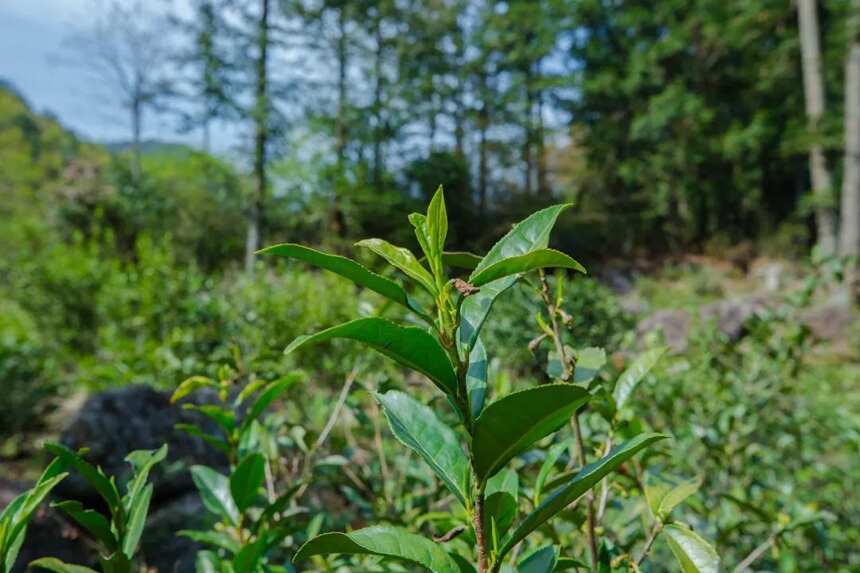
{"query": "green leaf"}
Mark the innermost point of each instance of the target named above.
(476, 378)
(224, 418)
(537, 259)
(349, 269)
(500, 505)
(408, 345)
(136, 521)
(207, 562)
(475, 310)
(248, 558)
(437, 223)
(461, 260)
(272, 392)
(419, 222)
(246, 480)
(511, 424)
(92, 521)
(402, 259)
(190, 385)
(53, 564)
(197, 432)
(531, 234)
(142, 461)
(22, 509)
(634, 374)
(565, 563)
(93, 475)
(215, 492)
(546, 468)
(542, 560)
(115, 563)
(220, 539)
(586, 479)
(383, 540)
(664, 494)
(417, 427)
(589, 361)
(277, 506)
(694, 554)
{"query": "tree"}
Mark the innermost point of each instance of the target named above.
(813, 89)
(126, 49)
(849, 236)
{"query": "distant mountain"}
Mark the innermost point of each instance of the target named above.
(150, 146)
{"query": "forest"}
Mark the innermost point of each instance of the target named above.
(456, 286)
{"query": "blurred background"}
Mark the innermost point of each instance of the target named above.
(710, 148)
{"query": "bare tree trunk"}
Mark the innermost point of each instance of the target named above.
(136, 129)
(849, 227)
(813, 87)
(261, 135)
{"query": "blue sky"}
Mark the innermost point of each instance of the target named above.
(32, 35)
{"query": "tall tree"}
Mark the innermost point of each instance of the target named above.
(849, 235)
(126, 48)
(813, 89)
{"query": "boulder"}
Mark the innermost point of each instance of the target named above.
(674, 324)
(730, 316)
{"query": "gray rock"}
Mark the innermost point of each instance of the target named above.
(832, 319)
(731, 316)
(674, 324)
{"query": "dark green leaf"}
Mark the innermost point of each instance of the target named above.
(546, 468)
(634, 374)
(566, 563)
(136, 520)
(500, 510)
(461, 259)
(220, 539)
(529, 261)
(402, 259)
(225, 419)
(586, 479)
(92, 521)
(277, 506)
(272, 392)
(196, 431)
(511, 424)
(408, 345)
(248, 558)
(246, 480)
(383, 540)
(542, 560)
(476, 308)
(347, 268)
(215, 492)
(694, 554)
(417, 427)
(94, 476)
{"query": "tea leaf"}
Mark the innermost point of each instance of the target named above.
(694, 554)
(538, 259)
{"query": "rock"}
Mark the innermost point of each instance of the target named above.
(161, 548)
(115, 422)
(832, 319)
(731, 316)
(673, 323)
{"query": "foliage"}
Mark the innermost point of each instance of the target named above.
(118, 535)
(250, 527)
(471, 463)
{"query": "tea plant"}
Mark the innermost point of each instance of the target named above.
(250, 525)
(118, 535)
(16, 516)
(471, 461)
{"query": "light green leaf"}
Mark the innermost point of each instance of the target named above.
(402, 259)
(142, 461)
(419, 222)
(475, 310)
(634, 374)
(511, 424)
(694, 554)
(476, 378)
(349, 269)
(537, 259)
(500, 505)
(53, 564)
(136, 521)
(190, 385)
(437, 223)
(565, 563)
(589, 361)
(664, 494)
(542, 560)
(531, 234)
(246, 480)
(215, 492)
(411, 346)
(92, 521)
(583, 481)
(207, 562)
(383, 540)
(417, 427)
(220, 539)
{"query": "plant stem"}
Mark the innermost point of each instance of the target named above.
(756, 553)
(478, 521)
(649, 543)
(581, 460)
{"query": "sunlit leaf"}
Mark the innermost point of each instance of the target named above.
(694, 554)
